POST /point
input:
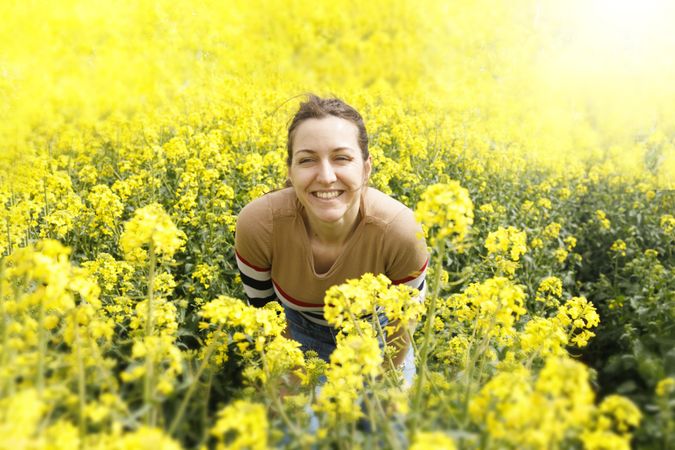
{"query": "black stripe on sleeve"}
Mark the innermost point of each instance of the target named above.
(260, 302)
(256, 284)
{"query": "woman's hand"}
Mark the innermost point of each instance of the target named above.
(399, 340)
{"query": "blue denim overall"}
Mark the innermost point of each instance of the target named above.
(322, 340)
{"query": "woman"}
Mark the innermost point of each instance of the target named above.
(329, 226)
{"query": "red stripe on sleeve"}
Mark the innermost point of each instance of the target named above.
(413, 275)
(295, 301)
(257, 269)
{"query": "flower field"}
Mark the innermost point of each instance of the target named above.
(540, 164)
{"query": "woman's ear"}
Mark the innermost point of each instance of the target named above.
(367, 167)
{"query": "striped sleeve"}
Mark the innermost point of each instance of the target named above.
(253, 251)
(406, 253)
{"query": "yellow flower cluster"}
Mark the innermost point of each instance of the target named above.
(356, 359)
(665, 387)
(549, 291)
(446, 212)
(667, 223)
(432, 440)
(150, 226)
(602, 219)
(241, 425)
(506, 246)
(563, 399)
(578, 314)
(612, 422)
(619, 247)
(21, 426)
(368, 295)
(256, 333)
(491, 308)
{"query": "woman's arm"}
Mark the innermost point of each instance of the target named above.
(400, 341)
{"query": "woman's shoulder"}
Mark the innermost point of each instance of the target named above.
(385, 209)
(271, 204)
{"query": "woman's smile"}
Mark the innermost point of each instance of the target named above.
(328, 171)
(327, 195)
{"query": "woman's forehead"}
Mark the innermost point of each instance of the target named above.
(328, 133)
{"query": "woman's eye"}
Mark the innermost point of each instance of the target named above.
(343, 158)
(304, 160)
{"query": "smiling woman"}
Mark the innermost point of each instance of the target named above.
(327, 227)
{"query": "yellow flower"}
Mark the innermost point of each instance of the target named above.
(552, 230)
(370, 294)
(602, 219)
(560, 254)
(144, 438)
(491, 307)
(507, 241)
(432, 440)
(355, 360)
(446, 211)
(241, 425)
(665, 387)
(619, 247)
(151, 225)
(668, 224)
(622, 412)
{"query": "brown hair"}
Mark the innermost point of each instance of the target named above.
(316, 107)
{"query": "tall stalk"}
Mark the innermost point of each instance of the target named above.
(149, 332)
(81, 384)
(42, 348)
(5, 324)
(188, 395)
(428, 332)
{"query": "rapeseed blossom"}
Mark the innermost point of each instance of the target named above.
(356, 360)
(368, 295)
(561, 396)
(619, 247)
(432, 440)
(446, 212)
(241, 425)
(667, 223)
(578, 315)
(490, 308)
(150, 226)
(549, 291)
(602, 219)
(106, 209)
(505, 246)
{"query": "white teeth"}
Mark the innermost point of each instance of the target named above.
(327, 195)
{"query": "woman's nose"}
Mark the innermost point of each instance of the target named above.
(326, 172)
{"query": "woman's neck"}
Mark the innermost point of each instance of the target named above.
(332, 233)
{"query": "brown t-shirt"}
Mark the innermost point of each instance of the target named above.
(275, 258)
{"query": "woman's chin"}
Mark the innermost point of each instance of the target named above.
(328, 217)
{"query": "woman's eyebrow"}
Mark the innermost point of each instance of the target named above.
(336, 149)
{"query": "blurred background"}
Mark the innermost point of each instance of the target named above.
(561, 82)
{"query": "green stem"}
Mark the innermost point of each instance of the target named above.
(149, 331)
(42, 349)
(377, 403)
(81, 384)
(428, 332)
(472, 358)
(205, 361)
(378, 325)
(276, 400)
(5, 325)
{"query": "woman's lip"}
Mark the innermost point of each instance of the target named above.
(339, 193)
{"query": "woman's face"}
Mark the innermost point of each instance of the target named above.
(328, 171)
